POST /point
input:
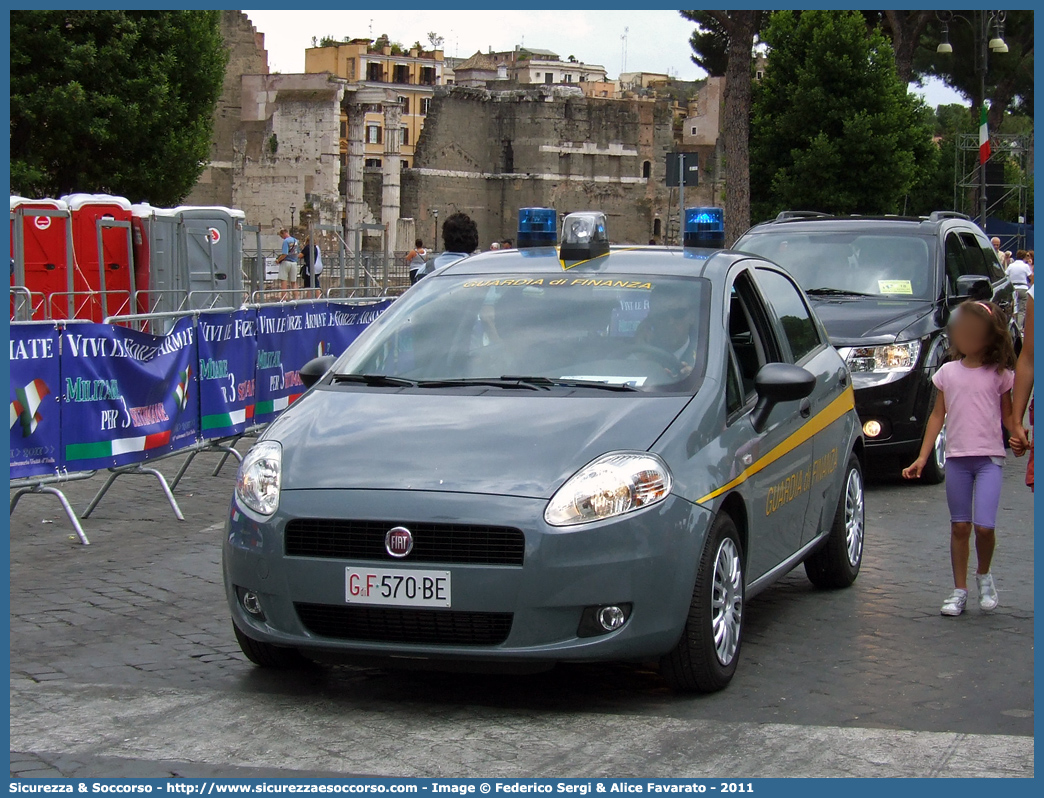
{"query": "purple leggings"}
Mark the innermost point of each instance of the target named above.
(973, 481)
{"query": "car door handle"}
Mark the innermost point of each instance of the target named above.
(806, 408)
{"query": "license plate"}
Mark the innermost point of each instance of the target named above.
(398, 587)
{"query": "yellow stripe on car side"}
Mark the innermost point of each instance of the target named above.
(820, 421)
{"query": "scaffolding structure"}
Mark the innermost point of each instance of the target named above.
(1005, 148)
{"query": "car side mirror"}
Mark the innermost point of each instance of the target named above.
(312, 371)
(775, 383)
(972, 286)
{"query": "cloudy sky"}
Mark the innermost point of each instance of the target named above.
(657, 41)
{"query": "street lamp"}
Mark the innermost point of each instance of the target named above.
(435, 213)
(982, 23)
(293, 209)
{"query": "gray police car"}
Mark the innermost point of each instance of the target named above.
(553, 454)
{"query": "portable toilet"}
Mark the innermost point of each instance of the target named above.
(45, 254)
(211, 251)
(155, 243)
(104, 280)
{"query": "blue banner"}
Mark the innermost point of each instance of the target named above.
(35, 409)
(227, 386)
(288, 336)
(128, 396)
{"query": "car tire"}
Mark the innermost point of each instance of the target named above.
(704, 660)
(934, 472)
(265, 655)
(836, 563)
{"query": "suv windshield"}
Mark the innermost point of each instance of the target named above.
(540, 332)
(856, 263)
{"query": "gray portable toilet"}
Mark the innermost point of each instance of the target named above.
(211, 255)
(155, 250)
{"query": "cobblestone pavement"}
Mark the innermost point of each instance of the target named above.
(123, 663)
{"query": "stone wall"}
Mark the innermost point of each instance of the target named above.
(246, 56)
(489, 153)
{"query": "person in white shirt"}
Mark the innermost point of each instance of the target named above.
(415, 260)
(1020, 274)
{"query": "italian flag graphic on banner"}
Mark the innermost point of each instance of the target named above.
(230, 419)
(984, 137)
(181, 392)
(26, 407)
(89, 451)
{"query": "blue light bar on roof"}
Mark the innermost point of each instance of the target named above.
(705, 228)
(537, 227)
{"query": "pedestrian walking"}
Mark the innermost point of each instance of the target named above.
(415, 260)
(311, 267)
(287, 261)
(1019, 274)
(1021, 394)
(974, 399)
(459, 239)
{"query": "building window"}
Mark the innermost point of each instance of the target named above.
(373, 134)
(405, 135)
(568, 78)
(374, 72)
(657, 227)
(374, 108)
(760, 74)
(373, 163)
(425, 105)
(404, 164)
(646, 169)
(405, 103)
(427, 76)
(401, 73)
(583, 78)
(344, 129)
(549, 77)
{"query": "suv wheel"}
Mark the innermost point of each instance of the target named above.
(935, 469)
(836, 563)
(704, 660)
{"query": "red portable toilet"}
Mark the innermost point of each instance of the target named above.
(105, 285)
(45, 258)
(142, 216)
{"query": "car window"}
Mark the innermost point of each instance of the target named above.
(793, 314)
(993, 266)
(886, 264)
(955, 264)
(646, 332)
(750, 337)
(734, 393)
(975, 257)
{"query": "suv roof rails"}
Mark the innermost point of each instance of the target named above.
(787, 215)
(936, 216)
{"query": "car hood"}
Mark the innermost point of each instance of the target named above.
(503, 443)
(867, 321)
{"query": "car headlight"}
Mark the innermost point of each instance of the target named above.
(257, 483)
(882, 364)
(611, 485)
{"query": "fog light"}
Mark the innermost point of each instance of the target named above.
(611, 618)
(250, 602)
(872, 429)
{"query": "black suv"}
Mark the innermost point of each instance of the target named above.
(884, 288)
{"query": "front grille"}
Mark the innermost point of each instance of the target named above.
(395, 625)
(443, 543)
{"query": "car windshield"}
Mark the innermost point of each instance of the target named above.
(854, 263)
(539, 332)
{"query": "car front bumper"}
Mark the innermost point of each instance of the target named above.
(647, 559)
(901, 407)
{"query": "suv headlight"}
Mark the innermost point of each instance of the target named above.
(882, 364)
(257, 483)
(611, 485)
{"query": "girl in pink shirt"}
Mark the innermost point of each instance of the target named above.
(974, 398)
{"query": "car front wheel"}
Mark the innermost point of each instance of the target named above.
(704, 660)
(265, 655)
(836, 563)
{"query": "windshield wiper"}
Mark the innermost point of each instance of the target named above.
(834, 292)
(549, 382)
(375, 380)
(490, 382)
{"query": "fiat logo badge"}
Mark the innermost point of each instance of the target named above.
(398, 542)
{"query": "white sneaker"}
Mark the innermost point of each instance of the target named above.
(954, 605)
(987, 592)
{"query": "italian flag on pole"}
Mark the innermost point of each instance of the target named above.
(984, 137)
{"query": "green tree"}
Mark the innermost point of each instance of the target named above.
(834, 128)
(113, 101)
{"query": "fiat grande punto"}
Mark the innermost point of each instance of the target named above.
(555, 453)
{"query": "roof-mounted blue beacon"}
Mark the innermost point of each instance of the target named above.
(704, 228)
(584, 236)
(537, 227)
